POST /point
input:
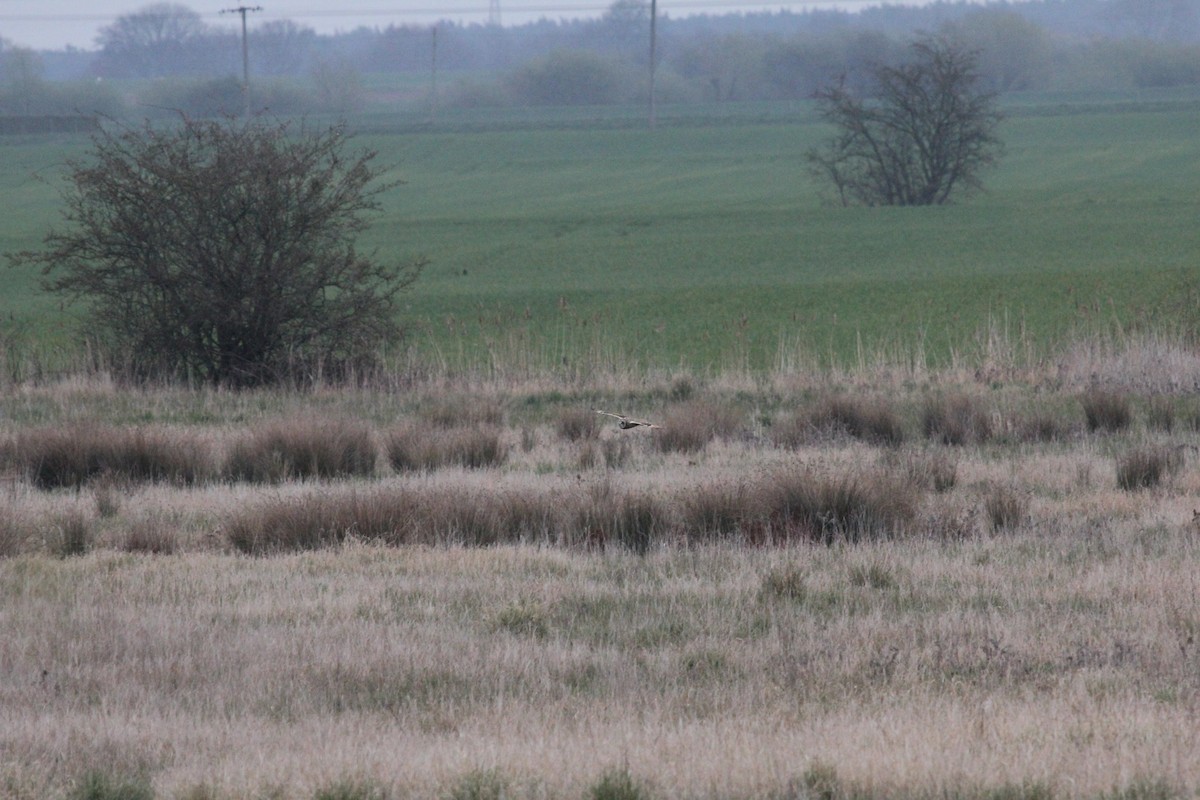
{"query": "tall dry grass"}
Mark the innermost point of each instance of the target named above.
(979, 612)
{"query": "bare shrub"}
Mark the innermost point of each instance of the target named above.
(869, 420)
(1147, 466)
(850, 506)
(303, 448)
(955, 419)
(1006, 506)
(1105, 411)
(418, 447)
(73, 455)
(688, 427)
(577, 424)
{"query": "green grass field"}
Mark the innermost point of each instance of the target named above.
(705, 244)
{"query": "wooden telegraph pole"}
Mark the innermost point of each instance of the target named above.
(243, 10)
(653, 45)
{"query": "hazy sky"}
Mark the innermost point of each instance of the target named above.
(45, 24)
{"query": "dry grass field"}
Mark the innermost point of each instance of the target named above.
(979, 583)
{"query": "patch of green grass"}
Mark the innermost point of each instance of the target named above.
(708, 245)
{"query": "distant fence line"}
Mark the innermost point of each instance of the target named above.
(74, 123)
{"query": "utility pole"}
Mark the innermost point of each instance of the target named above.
(494, 13)
(243, 10)
(653, 45)
(433, 89)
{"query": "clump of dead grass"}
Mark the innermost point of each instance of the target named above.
(1106, 411)
(303, 448)
(688, 427)
(71, 456)
(1006, 506)
(1147, 466)
(956, 419)
(867, 419)
(847, 506)
(415, 446)
(577, 424)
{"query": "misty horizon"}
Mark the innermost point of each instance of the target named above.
(63, 24)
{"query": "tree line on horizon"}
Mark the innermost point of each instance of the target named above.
(783, 55)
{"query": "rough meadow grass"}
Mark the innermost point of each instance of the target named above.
(919, 521)
(911, 616)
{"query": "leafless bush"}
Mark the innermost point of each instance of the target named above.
(73, 455)
(955, 419)
(303, 448)
(416, 447)
(1148, 466)
(1105, 411)
(690, 426)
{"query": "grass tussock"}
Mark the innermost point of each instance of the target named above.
(618, 784)
(788, 505)
(15, 533)
(74, 455)
(150, 535)
(1148, 466)
(849, 506)
(577, 424)
(1007, 507)
(97, 785)
(415, 446)
(956, 419)
(689, 426)
(867, 419)
(1041, 426)
(461, 411)
(1106, 411)
(305, 448)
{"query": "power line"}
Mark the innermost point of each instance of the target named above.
(729, 6)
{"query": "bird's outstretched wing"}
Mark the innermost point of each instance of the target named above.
(625, 422)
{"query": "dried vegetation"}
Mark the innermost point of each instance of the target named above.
(832, 586)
